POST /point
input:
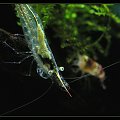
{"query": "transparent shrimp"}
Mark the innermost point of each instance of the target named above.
(37, 43)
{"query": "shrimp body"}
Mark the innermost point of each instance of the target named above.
(88, 65)
(37, 43)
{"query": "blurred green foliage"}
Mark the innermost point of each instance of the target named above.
(84, 28)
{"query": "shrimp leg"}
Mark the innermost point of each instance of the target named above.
(27, 52)
(30, 69)
(19, 62)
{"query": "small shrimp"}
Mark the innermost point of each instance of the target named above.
(88, 65)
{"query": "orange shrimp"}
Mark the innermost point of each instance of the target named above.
(90, 66)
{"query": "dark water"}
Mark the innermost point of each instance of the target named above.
(16, 89)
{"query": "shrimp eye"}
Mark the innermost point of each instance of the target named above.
(50, 72)
(61, 68)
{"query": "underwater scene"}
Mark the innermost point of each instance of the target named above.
(60, 59)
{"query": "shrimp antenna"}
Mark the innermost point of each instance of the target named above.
(78, 78)
(28, 103)
(111, 65)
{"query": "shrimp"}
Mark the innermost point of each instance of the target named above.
(37, 43)
(88, 65)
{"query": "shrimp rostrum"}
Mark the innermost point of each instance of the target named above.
(37, 43)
